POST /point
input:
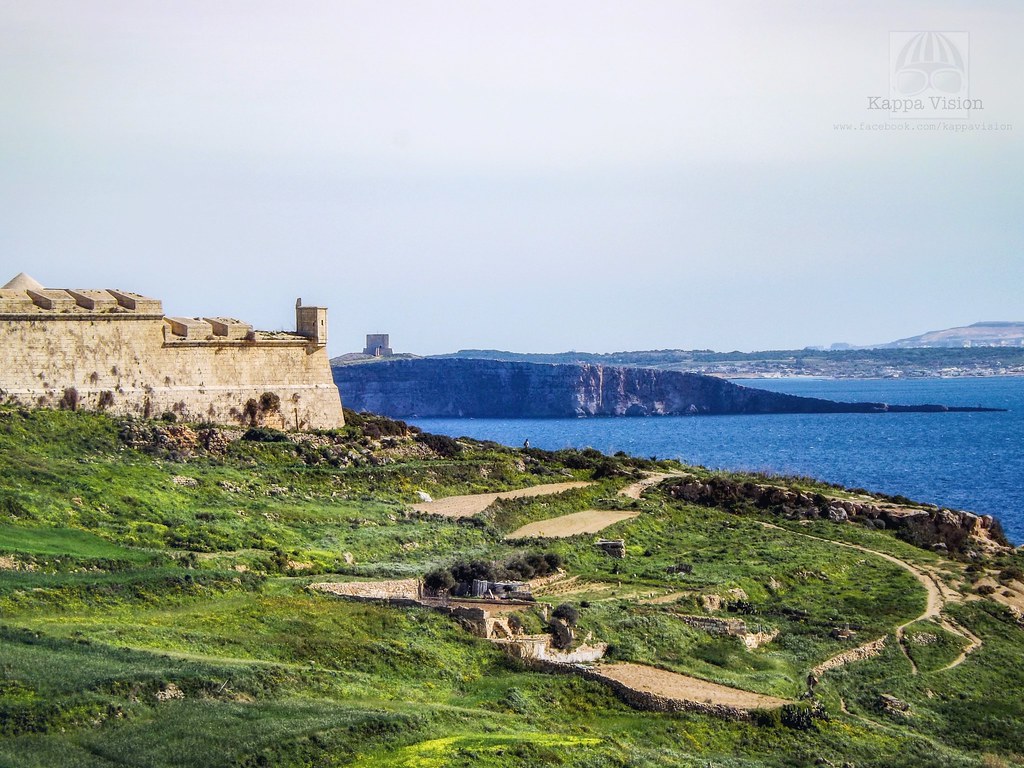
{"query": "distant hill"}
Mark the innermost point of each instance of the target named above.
(987, 334)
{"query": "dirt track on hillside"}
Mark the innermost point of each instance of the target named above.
(467, 506)
(587, 521)
(673, 685)
(636, 490)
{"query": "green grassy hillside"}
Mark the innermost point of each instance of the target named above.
(154, 612)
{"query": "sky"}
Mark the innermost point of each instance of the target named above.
(529, 176)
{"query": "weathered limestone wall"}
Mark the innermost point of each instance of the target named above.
(147, 372)
(396, 589)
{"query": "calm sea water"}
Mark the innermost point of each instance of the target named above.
(972, 461)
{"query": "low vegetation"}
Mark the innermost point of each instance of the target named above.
(154, 611)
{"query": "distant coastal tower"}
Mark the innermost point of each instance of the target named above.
(378, 345)
(311, 322)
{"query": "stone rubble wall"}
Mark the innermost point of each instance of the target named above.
(125, 363)
(399, 589)
(539, 648)
(860, 653)
(754, 640)
(732, 627)
(714, 626)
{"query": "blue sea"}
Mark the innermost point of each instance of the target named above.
(972, 461)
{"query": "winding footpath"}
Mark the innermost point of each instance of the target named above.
(938, 595)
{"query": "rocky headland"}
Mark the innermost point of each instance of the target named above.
(434, 387)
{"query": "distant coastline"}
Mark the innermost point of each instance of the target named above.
(892, 363)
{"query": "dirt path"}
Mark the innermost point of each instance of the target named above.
(673, 685)
(472, 504)
(636, 490)
(938, 595)
(973, 644)
(587, 521)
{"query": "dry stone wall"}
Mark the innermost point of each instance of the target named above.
(397, 589)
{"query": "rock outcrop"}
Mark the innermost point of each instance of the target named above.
(493, 389)
(945, 530)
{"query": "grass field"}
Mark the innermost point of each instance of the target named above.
(153, 612)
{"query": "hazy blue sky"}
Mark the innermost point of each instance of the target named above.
(535, 176)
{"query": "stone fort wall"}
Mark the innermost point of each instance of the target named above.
(134, 364)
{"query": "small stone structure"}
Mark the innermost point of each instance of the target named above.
(612, 547)
(516, 590)
(485, 618)
(113, 349)
(378, 345)
(732, 628)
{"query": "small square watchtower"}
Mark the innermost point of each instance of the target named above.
(311, 322)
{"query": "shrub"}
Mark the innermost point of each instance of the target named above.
(567, 613)
(608, 468)
(440, 580)
(803, 717)
(520, 568)
(554, 560)
(265, 435)
(440, 444)
(465, 573)
(106, 400)
(1012, 573)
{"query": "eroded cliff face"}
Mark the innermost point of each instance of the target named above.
(492, 389)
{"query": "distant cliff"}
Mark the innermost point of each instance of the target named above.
(493, 389)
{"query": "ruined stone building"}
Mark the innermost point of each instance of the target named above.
(115, 350)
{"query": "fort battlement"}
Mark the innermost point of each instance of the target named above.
(116, 350)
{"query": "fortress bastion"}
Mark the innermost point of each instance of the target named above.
(115, 350)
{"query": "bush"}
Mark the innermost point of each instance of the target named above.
(265, 435)
(440, 580)
(608, 468)
(440, 444)
(465, 573)
(567, 613)
(803, 717)
(1013, 573)
(554, 560)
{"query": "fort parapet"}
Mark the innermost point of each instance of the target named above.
(116, 350)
